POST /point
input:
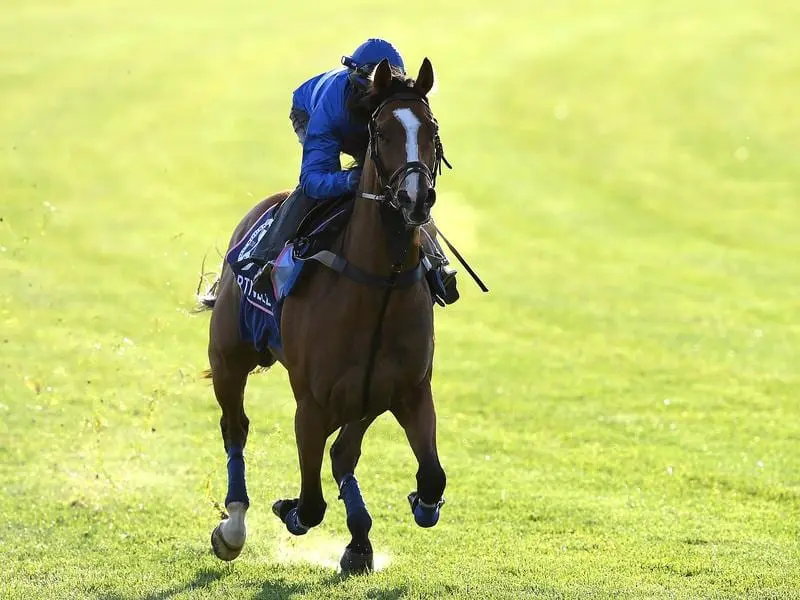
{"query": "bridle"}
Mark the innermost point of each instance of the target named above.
(392, 183)
(398, 233)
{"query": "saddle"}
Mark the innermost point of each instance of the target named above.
(322, 225)
(260, 308)
(261, 305)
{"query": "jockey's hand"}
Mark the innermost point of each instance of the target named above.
(353, 177)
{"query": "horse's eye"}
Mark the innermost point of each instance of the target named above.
(381, 135)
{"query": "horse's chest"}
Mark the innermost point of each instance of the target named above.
(403, 345)
(337, 348)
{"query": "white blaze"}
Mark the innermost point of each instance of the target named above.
(411, 124)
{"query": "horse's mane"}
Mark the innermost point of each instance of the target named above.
(364, 101)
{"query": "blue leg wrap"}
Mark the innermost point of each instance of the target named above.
(293, 523)
(237, 490)
(426, 515)
(358, 520)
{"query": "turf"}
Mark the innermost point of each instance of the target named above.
(618, 418)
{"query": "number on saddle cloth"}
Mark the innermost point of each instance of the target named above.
(259, 314)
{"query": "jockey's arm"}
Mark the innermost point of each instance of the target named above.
(321, 174)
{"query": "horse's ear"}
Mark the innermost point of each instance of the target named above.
(382, 76)
(425, 79)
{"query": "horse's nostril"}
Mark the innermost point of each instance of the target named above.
(431, 196)
(403, 197)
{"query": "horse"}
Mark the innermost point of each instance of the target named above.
(353, 347)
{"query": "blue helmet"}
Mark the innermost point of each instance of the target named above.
(371, 52)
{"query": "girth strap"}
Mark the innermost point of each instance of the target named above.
(347, 269)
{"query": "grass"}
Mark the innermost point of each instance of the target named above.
(618, 418)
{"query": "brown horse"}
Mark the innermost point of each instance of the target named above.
(352, 350)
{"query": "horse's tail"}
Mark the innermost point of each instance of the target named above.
(207, 300)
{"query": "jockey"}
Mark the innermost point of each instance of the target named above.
(325, 125)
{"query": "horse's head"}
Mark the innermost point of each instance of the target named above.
(404, 144)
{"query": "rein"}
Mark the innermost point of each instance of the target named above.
(391, 185)
(375, 344)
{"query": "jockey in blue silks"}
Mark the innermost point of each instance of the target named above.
(322, 119)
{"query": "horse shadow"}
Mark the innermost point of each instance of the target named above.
(275, 589)
(281, 590)
(202, 578)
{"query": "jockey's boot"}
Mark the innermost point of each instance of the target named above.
(441, 277)
(283, 228)
(448, 275)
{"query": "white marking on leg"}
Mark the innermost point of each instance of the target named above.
(411, 124)
(234, 531)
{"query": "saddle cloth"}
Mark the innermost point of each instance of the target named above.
(260, 313)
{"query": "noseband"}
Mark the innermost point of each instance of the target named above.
(391, 183)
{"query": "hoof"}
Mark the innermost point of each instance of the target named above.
(282, 507)
(425, 515)
(355, 563)
(286, 511)
(221, 549)
(294, 525)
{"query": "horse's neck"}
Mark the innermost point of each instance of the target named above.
(366, 242)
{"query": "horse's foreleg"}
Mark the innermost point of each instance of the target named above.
(345, 452)
(308, 510)
(418, 418)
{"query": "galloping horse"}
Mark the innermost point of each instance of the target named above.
(352, 350)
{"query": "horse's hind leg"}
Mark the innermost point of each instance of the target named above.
(418, 418)
(345, 452)
(228, 538)
(231, 362)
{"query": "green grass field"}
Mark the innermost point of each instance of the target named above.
(618, 418)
